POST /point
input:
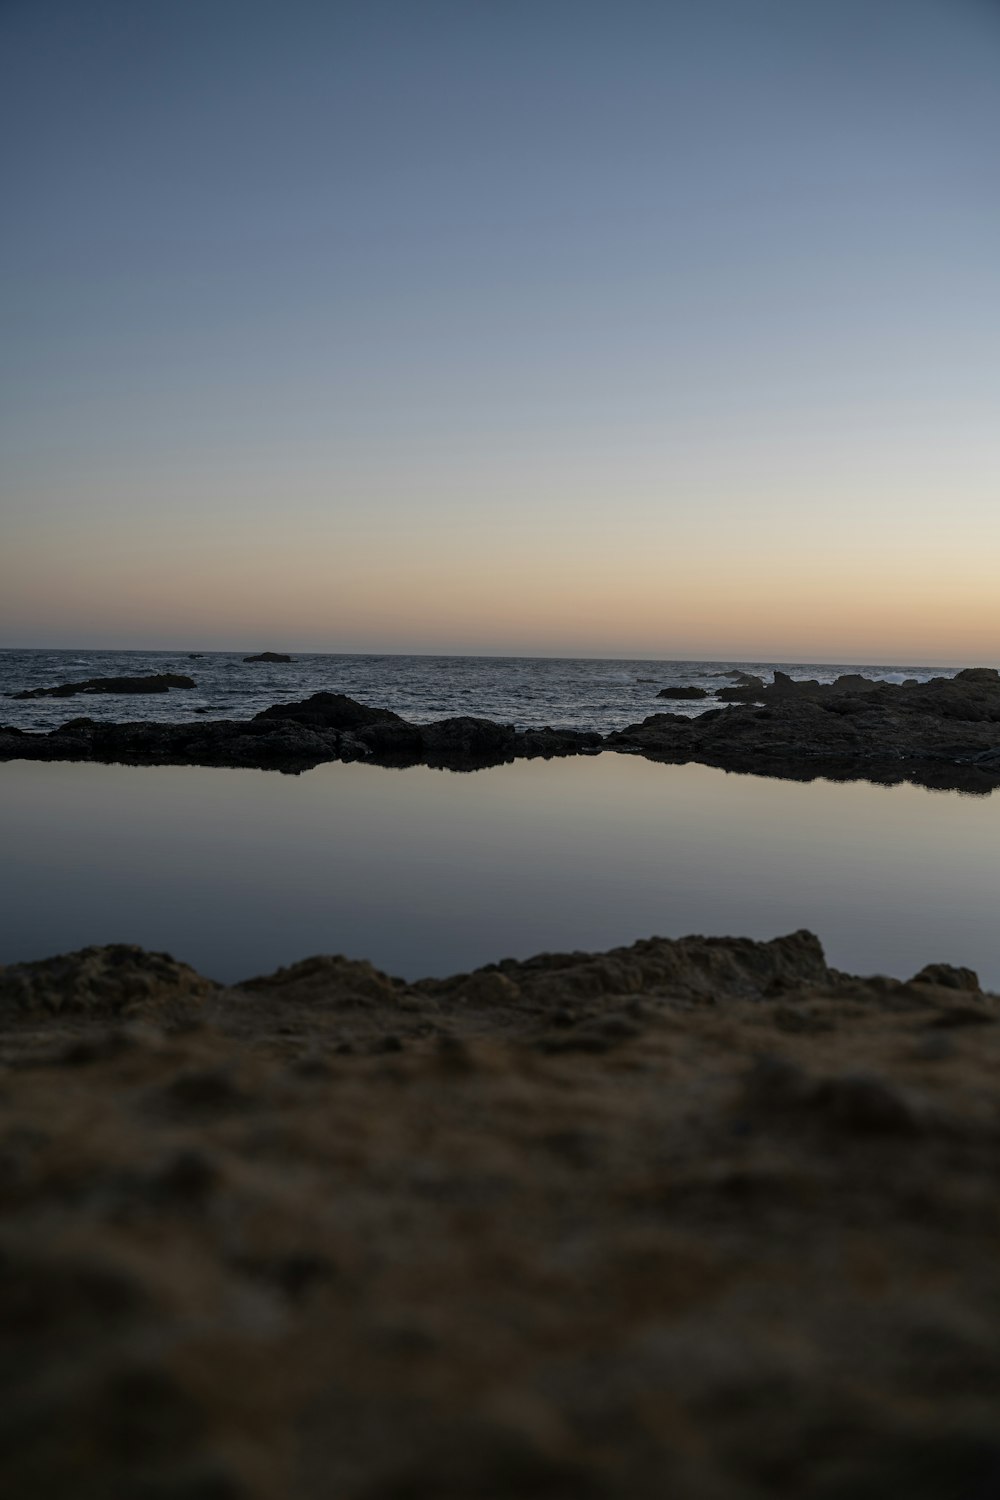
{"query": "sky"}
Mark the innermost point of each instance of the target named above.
(663, 328)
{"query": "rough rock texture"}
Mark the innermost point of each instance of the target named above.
(296, 736)
(154, 682)
(702, 1218)
(943, 733)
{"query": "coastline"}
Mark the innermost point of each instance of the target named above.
(702, 1212)
(943, 733)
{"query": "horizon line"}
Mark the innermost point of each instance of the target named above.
(758, 660)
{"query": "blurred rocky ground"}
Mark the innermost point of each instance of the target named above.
(701, 1218)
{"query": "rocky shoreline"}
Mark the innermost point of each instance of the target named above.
(701, 1217)
(942, 733)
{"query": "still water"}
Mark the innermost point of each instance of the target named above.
(430, 872)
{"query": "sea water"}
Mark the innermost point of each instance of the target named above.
(430, 872)
(528, 692)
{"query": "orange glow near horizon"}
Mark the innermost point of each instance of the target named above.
(562, 598)
(399, 330)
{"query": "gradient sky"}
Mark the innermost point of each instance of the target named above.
(532, 326)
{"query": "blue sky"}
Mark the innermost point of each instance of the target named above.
(658, 329)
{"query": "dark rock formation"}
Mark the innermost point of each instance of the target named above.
(296, 736)
(156, 682)
(943, 733)
(269, 656)
(682, 692)
(747, 689)
(585, 1227)
(330, 711)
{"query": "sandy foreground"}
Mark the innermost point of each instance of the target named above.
(698, 1218)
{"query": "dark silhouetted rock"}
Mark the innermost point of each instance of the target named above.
(682, 692)
(332, 711)
(269, 656)
(468, 738)
(550, 742)
(942, 733)
(157, 682)
(985, 676)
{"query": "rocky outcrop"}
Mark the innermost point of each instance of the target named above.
(945, 732)
(296, 736)
(942, 733)
(269, 656)
(155, 682)
(583, 1227)
(682, 692)
(747, 688)
(329, 711)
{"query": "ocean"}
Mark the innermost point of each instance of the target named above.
(528, 692)
(238, 871)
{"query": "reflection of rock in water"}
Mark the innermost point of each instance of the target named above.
(698, 1218)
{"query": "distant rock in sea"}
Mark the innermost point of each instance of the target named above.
(157, 682)
(682, 692)
(269, 656)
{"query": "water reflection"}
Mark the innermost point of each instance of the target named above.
(427, 873)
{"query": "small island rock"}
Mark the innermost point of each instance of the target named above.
(156, 682)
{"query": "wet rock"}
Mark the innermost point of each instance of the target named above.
(269, 656)
(392, 740)
(156, 682)
(981, 676)
(329, 711)
(850, 729)
(682, 692)
(549, 742)
(467, 740)
(853, 728)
